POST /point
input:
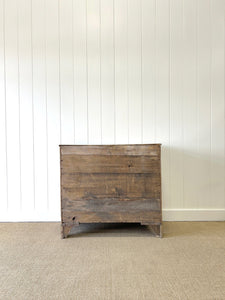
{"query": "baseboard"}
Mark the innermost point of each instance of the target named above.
(193, 214)
(29, 217)
(168, 215)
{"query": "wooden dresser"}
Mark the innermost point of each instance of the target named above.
(110, 184)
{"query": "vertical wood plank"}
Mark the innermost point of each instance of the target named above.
(135, 71)
(66, 71)
(3, 148)
(12, 106)
(53, 106)
(26, 105)
(94, 72)
(121, 83)
(203, 102)
(39, 98)
(162, 91)
(80, 71)
(107, 70)
(148, 69)
(190, 104)
(176, 104)
(217, 105)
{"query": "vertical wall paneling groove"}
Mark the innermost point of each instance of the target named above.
(39, 98)
(19, 102)
(204, 102)
(176, 83)
(141, 54)
(12, 101)
(94, 85)
(59, 75)
(121, 96)
(32, 98)
(25, 95)
(86, 52)
(112, 71)
(107, 71)
(100, 64)
(80, 71)
(148, 70)
(217, 102)
(66, 72)
(73, 77)
(190, 104)
(162, 91)
(3, 148)
(46, 103)
(134, 71)
(53, 106)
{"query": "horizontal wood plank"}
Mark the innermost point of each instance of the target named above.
(112, 205)
(111, 217)
(110, 164)
(85, 185)
(146, 150)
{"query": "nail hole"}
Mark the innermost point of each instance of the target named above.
(73, 218)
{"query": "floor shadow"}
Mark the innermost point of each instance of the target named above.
(170, 230)
(110, 230)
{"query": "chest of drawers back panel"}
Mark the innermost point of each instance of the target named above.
(110, 183)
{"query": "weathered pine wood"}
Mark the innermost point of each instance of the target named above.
(113, 185)
(111, 204)
(156, 229)
(65, 230)
(112, 217)
(110, 183)
(110, 164)
(144, 149)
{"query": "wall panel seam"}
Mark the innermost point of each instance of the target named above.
(6, 140)
(19, 100)
(87, 73)
(60, 92)
(74, 132)
(46, 105)
(100, 65)
(141, 22)
(128, 102)
(114, 71)
(32, 91)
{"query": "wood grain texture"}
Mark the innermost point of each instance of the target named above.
(111, 217)
(122, 186)
(156, 229)
(112, 185)
(109, 164)
(111, 204)
(147, 150)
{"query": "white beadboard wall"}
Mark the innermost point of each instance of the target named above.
(112, 72)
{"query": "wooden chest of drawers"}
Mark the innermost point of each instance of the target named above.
(111, 183)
